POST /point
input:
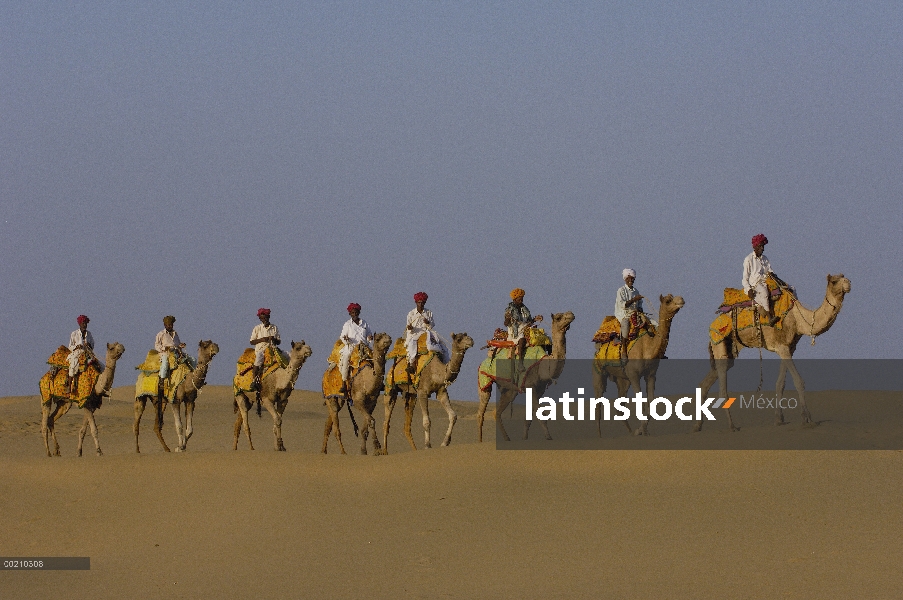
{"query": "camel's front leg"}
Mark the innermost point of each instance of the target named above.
(277, 422)
(787, 359)
(176, 407)
(189, 417)
(538, 391)
(424, 400)
(388, 405)
(89, 422)
(481, 411)
(442, 397)
(650, 396)
(140, 402)
(47, 427)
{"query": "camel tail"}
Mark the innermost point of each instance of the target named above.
(711, 356)
(234, 406)
(258, 406)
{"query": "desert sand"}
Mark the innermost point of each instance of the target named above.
(466, 521)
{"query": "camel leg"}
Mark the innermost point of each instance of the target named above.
(140, 403)
(539, 391)
(365, 426)
(280, 409)
(47, 427)
(650, 395)
(388, 405)
(158, 421)
(442, 397)
(481, 411)
(89, 422)
(424, 400)
(504, 399)
(332, 424)
(176, 408)
(600, 384)
(237, 429)
(787, 358)
(410, 403)
(277, 421)
(779, 392)
(243, 405)
(189, 417)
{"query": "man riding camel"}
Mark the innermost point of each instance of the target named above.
(166, 343)
(756, 269)
(355, 331)
(420, 321)
(80, 342)
(263, 336)
(518, 319)
(629, 305)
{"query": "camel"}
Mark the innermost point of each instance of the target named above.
(185, 394)
(275, 389)
(102, 388)
(797, 323)
(434, 379)
(364, 388)
(643, 358)
(538, 377)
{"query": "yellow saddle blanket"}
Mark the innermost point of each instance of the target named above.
(722, 326)
(273, 359)
(398, 373)
(53, 383)
(149, 376)
(332, 378)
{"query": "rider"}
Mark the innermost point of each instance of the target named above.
(628, 302)
(167, 342)
(263, 336)
(420, 321)
(80, 341)
(355, 331)
(518, 319)
(756, 269)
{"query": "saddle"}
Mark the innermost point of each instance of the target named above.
(610, 329)
(273, 359)
(53, 384)
(361, 356)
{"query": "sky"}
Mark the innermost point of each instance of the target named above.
(206, 159)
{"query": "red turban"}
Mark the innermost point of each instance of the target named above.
(420, 297)
(354, 306)
(263, 311)
(82, 319)
(759, 239)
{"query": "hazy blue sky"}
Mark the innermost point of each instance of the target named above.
(204, 159)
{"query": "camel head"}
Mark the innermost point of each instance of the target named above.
(114, 351)
(381, 343)
(300, 352)
(838, 285)
(669, 306)
(562, 321)
(461, 341)
(206, 351)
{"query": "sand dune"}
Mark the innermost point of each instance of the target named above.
(462, 521)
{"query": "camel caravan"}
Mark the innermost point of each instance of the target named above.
(629, 345)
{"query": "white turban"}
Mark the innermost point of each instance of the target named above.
(628, 273)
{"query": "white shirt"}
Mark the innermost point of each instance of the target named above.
(622, 311)
(418, 322)
(356, 332)
(165, 338)
(76, 338)
(755, 270)
(262, 331)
